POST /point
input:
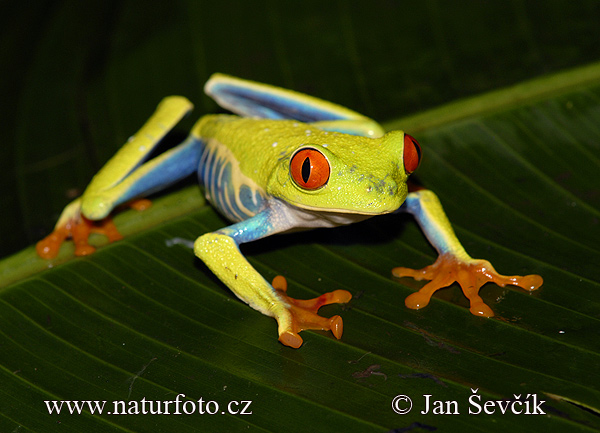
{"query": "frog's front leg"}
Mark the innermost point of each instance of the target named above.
(453, 263)
(220, 252)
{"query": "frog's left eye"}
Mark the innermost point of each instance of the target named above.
(309, 169)
(412, 154)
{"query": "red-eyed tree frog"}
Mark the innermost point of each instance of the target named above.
(286, 161)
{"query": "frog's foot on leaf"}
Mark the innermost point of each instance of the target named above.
(470, 274)
(140, 204)
(304, 313)
(77, 227)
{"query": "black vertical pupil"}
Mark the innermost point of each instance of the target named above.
(306, 170)
(417, 148)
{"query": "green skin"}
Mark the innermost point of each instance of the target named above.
(367, 177)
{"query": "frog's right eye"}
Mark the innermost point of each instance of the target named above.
(412, 154)
(309, 168)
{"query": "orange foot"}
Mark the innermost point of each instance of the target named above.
(304, 313)
(79, 228)
(471, 275)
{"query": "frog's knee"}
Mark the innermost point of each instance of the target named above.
(201, 244)
(206, 245)
(96, 207)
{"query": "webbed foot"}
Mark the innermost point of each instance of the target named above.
(73, 225)
(304, 313)
(470, 274)
(79, 230)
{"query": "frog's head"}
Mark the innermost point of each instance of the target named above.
(347, 174)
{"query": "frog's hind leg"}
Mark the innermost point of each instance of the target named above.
(126, 177)
(251, 99)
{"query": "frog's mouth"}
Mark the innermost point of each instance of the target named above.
(346, 205)
(312, 220)
(360, 209)
(305, 217)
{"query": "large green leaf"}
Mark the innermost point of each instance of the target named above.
(516, 169)
(80, 77)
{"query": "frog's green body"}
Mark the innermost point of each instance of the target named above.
(367, 175)
(290, 162)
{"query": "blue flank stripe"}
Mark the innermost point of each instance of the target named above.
(216, 175)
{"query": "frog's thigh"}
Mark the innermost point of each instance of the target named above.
(110, 185)
(221, 254)
(251, 99)
(160, 172)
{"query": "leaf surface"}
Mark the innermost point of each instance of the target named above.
(517, 171)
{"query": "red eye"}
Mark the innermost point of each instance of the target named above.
(412, 154)
(309, 169)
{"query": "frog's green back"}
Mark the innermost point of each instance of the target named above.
(366, 174)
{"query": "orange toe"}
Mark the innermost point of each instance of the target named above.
(140, 204)
(470, 274)
(291, 339)
(304, 313)
(79, 230)
(48, 247)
